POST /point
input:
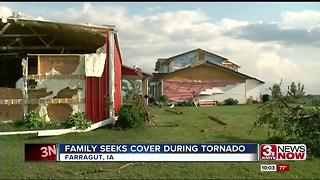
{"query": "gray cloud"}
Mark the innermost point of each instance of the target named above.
(273, 32)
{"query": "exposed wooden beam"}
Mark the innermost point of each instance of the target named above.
(13, 42)
(39, 37)
(22, 35)
(9, 57)
(52, 41)
(41, 47)
(9, 54)
(5, 28)
(53, 54)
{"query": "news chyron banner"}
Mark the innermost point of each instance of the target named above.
(144, 152)
(234, 152)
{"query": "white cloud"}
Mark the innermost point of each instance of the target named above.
(303, 19)
(228, 24)
(144, 38)
(151, 9)
(275, 67)
(5, 12)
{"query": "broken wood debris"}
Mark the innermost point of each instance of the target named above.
(214, 129)
(104, 170)
(56, 132)
(124, 166)
(53, 76)
(47, 101)
(169, 124)
(174, 111)
(225, 125)
(218, 121)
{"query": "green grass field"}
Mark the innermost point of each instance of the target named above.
(189, 130)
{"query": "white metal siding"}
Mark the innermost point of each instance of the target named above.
(253, 89)
(236, 91)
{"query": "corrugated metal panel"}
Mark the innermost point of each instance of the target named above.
(97, 89)
(117, 67)
(97, 93)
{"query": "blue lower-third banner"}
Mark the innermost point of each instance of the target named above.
(158, 152)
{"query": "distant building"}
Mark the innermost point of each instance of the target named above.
(202, 76)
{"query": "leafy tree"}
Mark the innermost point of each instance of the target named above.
(290, 123)
(276, 91)
(296, 91)
(131, 88)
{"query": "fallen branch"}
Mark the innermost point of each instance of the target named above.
(103, 170)
(94, 171)
(218, 121)
(214, 129)
(170, 124)
(124, 166)
(173, 111)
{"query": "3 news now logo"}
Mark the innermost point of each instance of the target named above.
(283, 152)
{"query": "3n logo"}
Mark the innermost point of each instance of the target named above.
(268, 152)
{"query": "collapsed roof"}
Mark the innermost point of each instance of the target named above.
(21, 36)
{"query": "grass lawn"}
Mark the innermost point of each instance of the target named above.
(191, 123)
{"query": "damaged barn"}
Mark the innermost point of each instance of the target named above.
(58, 69)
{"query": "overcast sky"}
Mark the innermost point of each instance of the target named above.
(269, 40)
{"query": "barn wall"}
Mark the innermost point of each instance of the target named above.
(236, 91)
(64, 87)
(62, 64)
(117, 78)
(230, 91)
(10, 112)
(253, 89)
(240, 91)
(56, 91)
(97, 100)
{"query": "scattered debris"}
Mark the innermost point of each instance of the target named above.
(104, 170)
(169, 124)
(57, 132)
(214, 129)
(224, 125)
(211, 129)
(124, 166)
(174, 111)
(218, 121)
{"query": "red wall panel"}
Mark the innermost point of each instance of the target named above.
(117, 68)
(97, 91)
